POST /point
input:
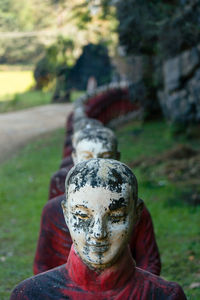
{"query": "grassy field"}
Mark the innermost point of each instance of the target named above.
(16, 92)
(14, 81)
(25, 100)
(24, 188)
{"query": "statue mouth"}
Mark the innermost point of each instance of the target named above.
(98, 247)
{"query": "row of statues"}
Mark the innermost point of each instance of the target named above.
(96, 237)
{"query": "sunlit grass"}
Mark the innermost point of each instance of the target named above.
(26, 100)
(15, 92)
(32, 98)
(13, 82)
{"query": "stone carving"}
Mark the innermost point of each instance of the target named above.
(91, 84)
(94, 143)
(88, 143)
(99, 264)
(108, 102)
(86, 123)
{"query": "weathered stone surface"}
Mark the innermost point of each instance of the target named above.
(172, 73)
(189, 61)
(175, 105)
(180, 98)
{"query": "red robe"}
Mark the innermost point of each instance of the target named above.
(57, 182)
(75, 281)
(66, 162)
(111, 104)
(54, 241)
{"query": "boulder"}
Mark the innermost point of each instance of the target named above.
(180, 97)
(172, 74)
(189, 62)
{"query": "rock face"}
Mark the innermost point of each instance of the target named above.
(180, 97)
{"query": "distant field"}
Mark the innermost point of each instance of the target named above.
(15, 81)
(15, 93)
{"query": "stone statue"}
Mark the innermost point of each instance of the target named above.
(78, 124)
(86, 123)
(90, 142)
(100, 209)
(100, 142)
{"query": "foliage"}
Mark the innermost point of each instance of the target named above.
(24, 15)
(27, 26)
(25, 193)
(94, 61)
(162, 28)
(54, 62)
(85, 11)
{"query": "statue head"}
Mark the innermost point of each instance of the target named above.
(100, 209)
(99, 142)
(85, 122)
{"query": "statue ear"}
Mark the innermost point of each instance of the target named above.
(64, 208)
(118, 155)
(139, 208)
(74, 157)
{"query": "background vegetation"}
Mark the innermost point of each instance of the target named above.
(176, 218)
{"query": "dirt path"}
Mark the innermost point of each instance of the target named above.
(17, 128)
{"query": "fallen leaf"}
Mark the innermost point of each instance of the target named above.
(191, 257)
(194, 285)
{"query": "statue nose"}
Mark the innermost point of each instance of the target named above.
(99, 229)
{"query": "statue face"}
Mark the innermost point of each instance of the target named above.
(100, 222)
(87, 149)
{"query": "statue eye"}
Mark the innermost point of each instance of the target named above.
(82, 216)
(115, 218)
(87, 157)
(106, 155)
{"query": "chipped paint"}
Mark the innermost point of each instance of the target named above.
(100, 210)
(94, 143)
(99, 224)
(86, 122)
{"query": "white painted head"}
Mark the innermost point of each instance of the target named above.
(99, 142)
(84, 122)
(100, 210)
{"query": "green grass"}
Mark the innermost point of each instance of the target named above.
(13, 82)
(75, 95)
(177, 225)
(24, 188)
(15, 92)
(23, 192)
(26, 100)
(31, 99)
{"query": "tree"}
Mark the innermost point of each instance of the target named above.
(162, 28)
(57, 58)
(25, 15)
(93, 62)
